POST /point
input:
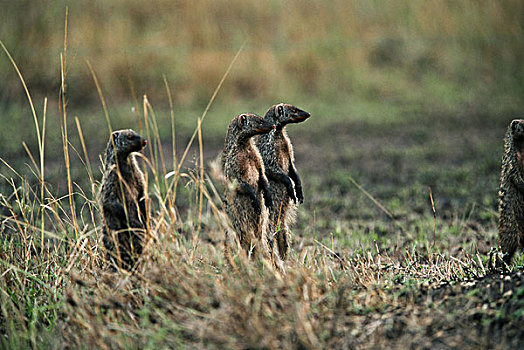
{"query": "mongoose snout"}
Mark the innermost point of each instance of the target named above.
(299, 116)
(265, 129)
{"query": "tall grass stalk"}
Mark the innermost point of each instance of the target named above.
(155, 144)
(171, 197)
(42, 176)
(64, 131)
(206, 110)
(377, 203)
(40, 139)
(100, 96)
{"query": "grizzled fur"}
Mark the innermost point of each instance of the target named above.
(511, 193)
(284, 181)
(246, 185)
(122, 197)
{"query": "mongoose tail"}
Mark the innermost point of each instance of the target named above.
(511, 193)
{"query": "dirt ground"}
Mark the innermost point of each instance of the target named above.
(458, 158)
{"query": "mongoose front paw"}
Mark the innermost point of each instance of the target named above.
(269, 202)
(291, 194)
(256, 207)
(300, 195)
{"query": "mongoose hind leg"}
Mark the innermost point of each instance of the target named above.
(133, 246)
(130, 246)
(247, 238)
(245, 243)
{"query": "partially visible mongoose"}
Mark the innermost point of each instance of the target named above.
(511, 193)
(122, 198)
(247, 192)
(284, 181)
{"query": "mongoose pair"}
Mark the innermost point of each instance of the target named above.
(511, 192)
(122, 198)
(262, 177)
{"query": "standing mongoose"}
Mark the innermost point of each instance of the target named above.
(247, 192)
(284, 182)
(122, 198)
(511, 192)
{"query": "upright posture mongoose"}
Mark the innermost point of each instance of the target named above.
(247, 190)
(511, 193)
(284, 182)
(122, 198)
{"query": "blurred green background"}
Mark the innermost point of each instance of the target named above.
(326, 49)
(344, 61)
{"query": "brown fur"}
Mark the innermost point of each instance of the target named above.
(122, 198)
(246, 184)
(284, 182)
(511, 193)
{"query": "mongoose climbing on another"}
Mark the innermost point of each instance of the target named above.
(511, 192)
(247, 192)
(122, 198)
(284, 182)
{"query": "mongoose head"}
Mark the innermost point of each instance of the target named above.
(126, 141)
(283, 114)
(516, 130)
(247, 125)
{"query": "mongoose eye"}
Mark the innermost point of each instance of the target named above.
(514, 125)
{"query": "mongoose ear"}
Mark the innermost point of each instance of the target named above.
(280, 111)
(514, 125)
(243, 119)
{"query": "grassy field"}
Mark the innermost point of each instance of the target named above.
(399, 161)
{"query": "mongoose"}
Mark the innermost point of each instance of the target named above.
(122, 198)
(247, 190)
(284, 181)
(511, 192)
